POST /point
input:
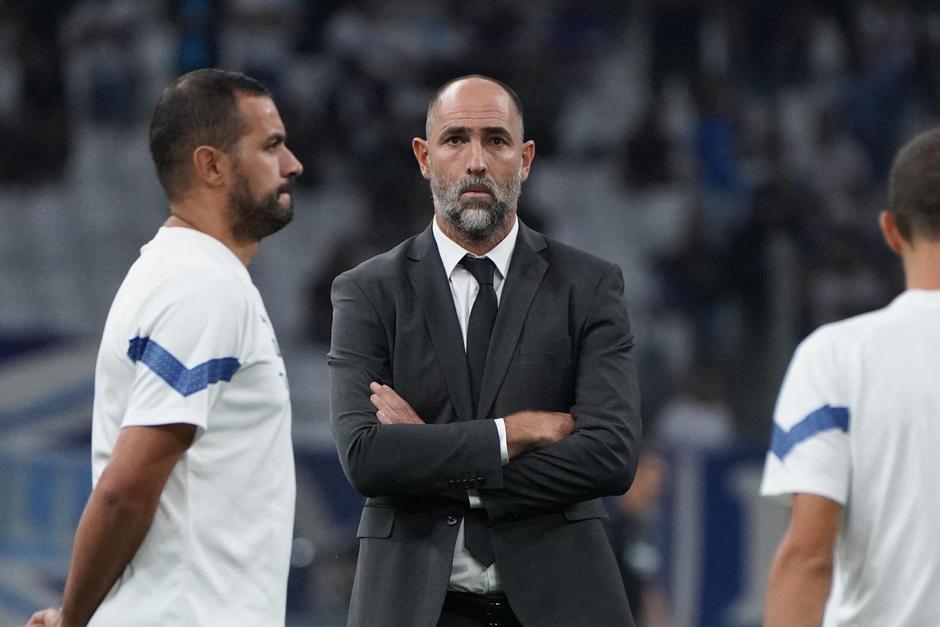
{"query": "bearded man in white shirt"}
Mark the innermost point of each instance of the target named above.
(190, 520)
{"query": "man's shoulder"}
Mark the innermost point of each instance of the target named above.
(847, 332)
(188, 257)
(196, 281)
(842, 345)
(177, 277)
(569, 255)
(569, 263)
(387, 266)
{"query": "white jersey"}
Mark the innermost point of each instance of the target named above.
(188, 341)
(858, 422)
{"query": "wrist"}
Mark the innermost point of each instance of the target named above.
(520, 434)
(67, 618)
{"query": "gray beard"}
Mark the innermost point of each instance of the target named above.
(478, 220)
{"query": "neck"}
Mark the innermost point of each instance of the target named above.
(922, 265)
(212, 223)
(478, 247)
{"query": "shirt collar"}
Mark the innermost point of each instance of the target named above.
(451, 252)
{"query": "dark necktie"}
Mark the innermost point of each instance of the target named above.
(480, 325)
(479, 329)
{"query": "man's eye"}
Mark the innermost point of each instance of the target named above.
(452, 140)
(499, 141)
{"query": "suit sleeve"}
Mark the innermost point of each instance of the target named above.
(599, 457)
(396, 460)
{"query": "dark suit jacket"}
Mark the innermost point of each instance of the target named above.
(561, 342)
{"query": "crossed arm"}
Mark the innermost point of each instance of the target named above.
(542, 472)
(116, 519)
(524, 429)
(387, 450)
(801, 573)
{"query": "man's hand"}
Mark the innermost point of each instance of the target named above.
(391, 409)
(46, 618)
(529, 429)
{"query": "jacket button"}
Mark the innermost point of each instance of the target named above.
(451, 521)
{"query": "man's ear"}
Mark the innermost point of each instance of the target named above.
(210, 165)
(420, 148)
(888, 222)
(528, 154)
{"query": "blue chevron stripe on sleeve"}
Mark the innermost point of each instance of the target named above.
(823, 419)
(184, 380)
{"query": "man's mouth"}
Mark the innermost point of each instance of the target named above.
(476, 190)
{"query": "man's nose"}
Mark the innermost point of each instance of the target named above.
(477, 162)
(291, 166)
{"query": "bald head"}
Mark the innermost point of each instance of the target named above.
(451, 90)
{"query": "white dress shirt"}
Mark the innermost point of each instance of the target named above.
(467, 574)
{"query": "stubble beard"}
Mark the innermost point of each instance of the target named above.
(478, 220)
(253, 220)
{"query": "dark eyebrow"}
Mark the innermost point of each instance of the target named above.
(452, 131)
(496, 130)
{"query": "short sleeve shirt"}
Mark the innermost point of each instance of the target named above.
(857, 421)
(188, 340)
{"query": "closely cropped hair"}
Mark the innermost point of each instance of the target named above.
(199, 108)
(914, 187)
(516, 100)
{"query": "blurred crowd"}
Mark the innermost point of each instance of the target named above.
(730, 156)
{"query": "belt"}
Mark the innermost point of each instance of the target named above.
(491, 610)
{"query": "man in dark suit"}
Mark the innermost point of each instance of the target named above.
(483, 398)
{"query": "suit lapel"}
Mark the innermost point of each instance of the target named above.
(526, 270)
(433, 291)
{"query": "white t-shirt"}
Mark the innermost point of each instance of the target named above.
(188, 341)
(858, 422)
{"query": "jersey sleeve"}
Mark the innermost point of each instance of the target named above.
(809, 449)
(189, 343)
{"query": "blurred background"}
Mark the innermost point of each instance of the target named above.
(730, 156)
